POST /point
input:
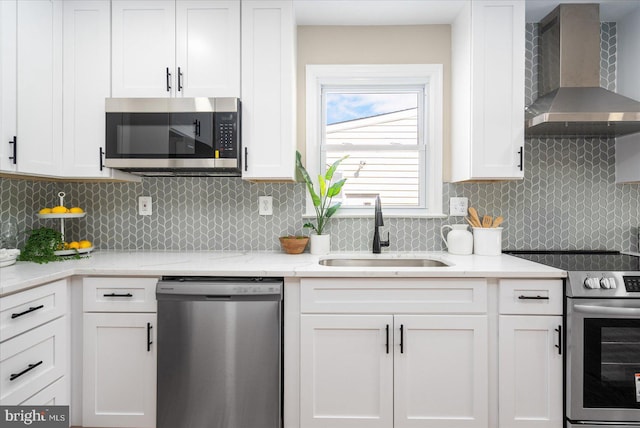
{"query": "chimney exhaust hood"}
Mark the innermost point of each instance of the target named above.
(571, 101)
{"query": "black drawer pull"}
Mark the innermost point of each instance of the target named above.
(533, 297)
(118, 295)
(14, 158)
(149, 341)
(15, 376)
(387, 344)
(31, 309)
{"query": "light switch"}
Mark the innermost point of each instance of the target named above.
(265, 204)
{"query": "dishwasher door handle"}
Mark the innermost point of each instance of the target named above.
(227, 297)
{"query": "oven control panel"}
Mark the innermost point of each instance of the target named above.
(632, 284)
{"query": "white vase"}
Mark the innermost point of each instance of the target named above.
(320, 244)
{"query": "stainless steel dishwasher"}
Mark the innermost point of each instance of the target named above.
(219, 352)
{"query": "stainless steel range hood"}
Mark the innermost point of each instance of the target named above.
(571, 102)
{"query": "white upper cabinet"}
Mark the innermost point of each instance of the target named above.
(268, 90)
(488, 56)
(208, 48)
(31, 91)
(628, 67)
(86, 83)
(143, 48)
(169, 48)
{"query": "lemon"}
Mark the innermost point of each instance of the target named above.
(74, 245)
(45, 211)
(59, 210)
(76, 210)
(85, 244)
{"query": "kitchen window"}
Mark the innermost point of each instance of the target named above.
(388, 120)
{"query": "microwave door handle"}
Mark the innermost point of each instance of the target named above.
(606, 310)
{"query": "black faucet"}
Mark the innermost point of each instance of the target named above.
(378, 221)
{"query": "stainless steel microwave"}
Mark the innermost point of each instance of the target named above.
(174, 136)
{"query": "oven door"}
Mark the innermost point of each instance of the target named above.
(603, 360)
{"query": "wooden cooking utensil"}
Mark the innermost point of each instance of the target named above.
(474, 217)
(498, 221)
(487, 221)
(471, 222)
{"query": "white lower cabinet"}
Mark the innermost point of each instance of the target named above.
(440, 372)
(530, 372)
(119, 353)
(428, 353)
(346, 373)
(392, 369)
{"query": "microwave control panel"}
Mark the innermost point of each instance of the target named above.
(226, 135)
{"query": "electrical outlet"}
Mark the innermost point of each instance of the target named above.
(265, 204)
(145, 205)
(458, 207)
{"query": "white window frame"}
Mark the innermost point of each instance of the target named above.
(430, 76)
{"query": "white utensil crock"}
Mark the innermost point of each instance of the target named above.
(459, 240)
(487, 241)
(320, 244)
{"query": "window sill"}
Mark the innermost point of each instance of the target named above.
(384, 215)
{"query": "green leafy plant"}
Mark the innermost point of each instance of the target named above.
(322, 200)
(41, 245)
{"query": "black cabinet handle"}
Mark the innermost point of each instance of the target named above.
(14, 158)
(521, 153)
(149, 342)
(15, 376)
(31, 309)
(168, 80)
(246, 159)
(101, 154)
(401, 338)
(118, 295)
(387, 344)
(179, 80)
(533, 297)
(559, 345)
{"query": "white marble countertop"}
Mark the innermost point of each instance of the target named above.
(25, 275)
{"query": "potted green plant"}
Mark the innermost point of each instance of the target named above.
(322, 203)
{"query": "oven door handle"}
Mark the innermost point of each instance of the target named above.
(606, 310)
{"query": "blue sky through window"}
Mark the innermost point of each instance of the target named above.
(343, 106)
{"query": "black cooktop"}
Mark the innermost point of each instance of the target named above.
(603, 261)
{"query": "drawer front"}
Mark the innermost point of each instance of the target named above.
(386, 295)
(56, 394)
(119, 294)
(28, 309)
(531, 296)
(33, 360)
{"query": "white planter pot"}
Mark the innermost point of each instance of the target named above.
(320, 244)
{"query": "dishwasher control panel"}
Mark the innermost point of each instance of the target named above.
(214, 288)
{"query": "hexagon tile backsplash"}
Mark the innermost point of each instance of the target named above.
(567, 200)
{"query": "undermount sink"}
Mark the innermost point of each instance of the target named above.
(381, 262)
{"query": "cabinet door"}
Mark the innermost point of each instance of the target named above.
(86, 83)
(497, 88)
(208, 48)
(119, 372)
(268, 90)
(440, 372)
(8, 80)
(530, 371)
(143, 48)
(39, 86)
(346, 374)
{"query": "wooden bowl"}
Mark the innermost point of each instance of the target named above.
(294, 244)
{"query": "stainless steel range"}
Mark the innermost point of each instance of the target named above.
(602, 336)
